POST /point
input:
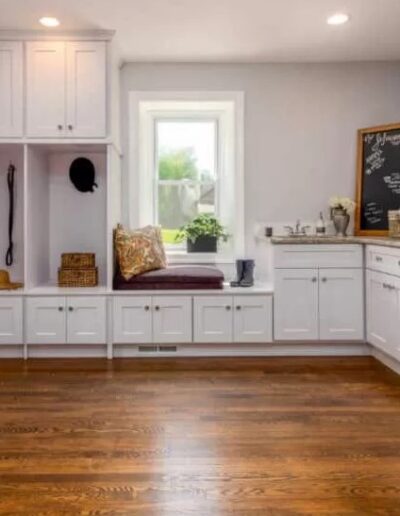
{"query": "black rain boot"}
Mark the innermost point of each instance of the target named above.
(248, 274)
(239, 273)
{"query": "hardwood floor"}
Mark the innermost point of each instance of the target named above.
(204, 436)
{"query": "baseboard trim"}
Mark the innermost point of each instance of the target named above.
(386, 360)
(249, 350)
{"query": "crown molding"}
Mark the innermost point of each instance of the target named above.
(48, 35)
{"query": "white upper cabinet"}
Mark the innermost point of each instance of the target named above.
(86, 89)
(11, 89)
(66, 89)
(341, 304)
(296, 304)
(46, 83)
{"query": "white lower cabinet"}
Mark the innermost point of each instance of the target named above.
(383, 312)
(60, 320)
(86, 320)
(213, 320)
(11, 320)
(319, 304)
(158, 319)
(341, 304)
(132, 320)
(172, 319)
(226, 319)
(296, 304)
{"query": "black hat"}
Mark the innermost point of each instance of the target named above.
(82, 174)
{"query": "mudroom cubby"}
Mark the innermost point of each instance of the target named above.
(12, 154)
(59, 218)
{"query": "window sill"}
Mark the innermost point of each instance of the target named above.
(181, 257)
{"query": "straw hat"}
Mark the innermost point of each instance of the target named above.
(5, 283)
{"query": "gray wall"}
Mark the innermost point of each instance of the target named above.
(300, 128)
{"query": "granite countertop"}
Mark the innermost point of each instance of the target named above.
(313, 239)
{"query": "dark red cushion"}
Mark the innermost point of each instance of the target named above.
(179, 277)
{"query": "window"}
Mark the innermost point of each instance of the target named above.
(186, 172)
(186, 159)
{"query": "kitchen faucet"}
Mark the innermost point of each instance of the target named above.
(298, 230)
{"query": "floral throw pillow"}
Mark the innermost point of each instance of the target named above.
(140, 250)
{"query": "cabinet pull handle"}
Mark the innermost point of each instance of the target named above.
(60, 309)
(59, 127)
(147, 308)
(324, 280)
(314, 280)
(228, 307)
(378, 258)
(157, 308)
(70, 127)
(70, 308)
(238, 307)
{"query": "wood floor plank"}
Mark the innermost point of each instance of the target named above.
(208, 437)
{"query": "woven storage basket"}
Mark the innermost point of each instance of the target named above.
(78, 260)
(78, 277)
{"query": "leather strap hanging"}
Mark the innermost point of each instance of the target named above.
(10, 184)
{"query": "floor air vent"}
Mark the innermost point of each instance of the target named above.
(168, 349)
(147, 349)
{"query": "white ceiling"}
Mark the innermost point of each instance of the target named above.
(226, 30)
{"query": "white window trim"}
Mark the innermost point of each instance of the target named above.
(144, 108)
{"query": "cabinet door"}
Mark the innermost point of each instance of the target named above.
(11, 321)
(296, 304)
(172, 319)
(11, 89)
(132, 320)
(395, 325)
(341, 304)
(46, 89)
(46, 320)
(381, 311)
(86, 322)
(213, 319)
(252, 320)
(86, 89)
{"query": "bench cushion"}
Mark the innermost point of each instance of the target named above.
(180, 277)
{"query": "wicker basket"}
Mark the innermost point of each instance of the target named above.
(394, 223)
(78, 260)
(78, 277)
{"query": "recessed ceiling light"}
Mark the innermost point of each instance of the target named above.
(338, 19)
(49, 21)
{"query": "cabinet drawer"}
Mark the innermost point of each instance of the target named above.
(383, 259)
(297, 256)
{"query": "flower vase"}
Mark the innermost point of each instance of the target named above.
(341, 220)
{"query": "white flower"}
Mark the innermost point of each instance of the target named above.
(344, 203)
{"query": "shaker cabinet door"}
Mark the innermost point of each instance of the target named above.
(296, 304)
(132, 320)
(46, 320)
(252, 319)
(11, 89)
(213, 319)
(11, 320)
(86, 320)
(172, 319)
(86, 89)
(46, 89)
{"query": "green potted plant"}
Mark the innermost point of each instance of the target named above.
(202, 234)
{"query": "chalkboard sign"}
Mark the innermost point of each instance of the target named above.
(378, 178)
